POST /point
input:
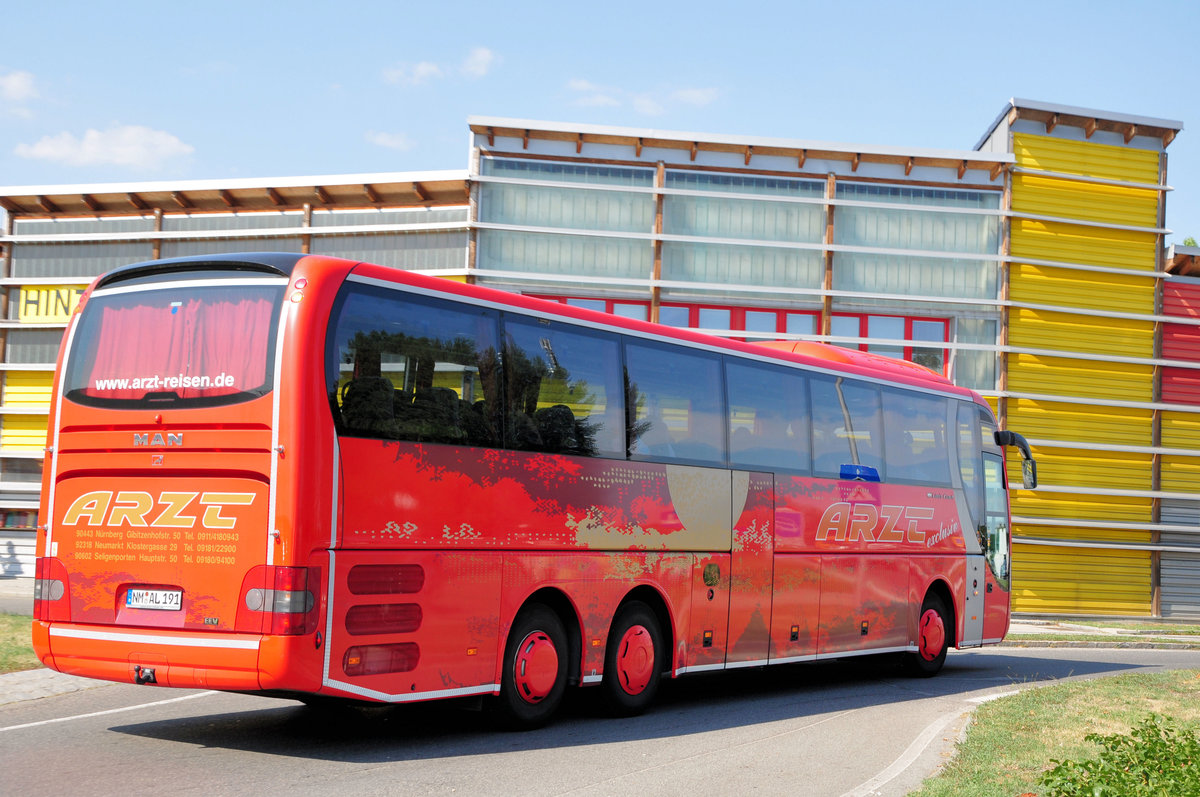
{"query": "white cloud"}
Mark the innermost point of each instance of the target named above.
(17, 86)
(391, 140)
(478, 62)
(413, 74)
(645, 104)
(122, 145)
(697, 97)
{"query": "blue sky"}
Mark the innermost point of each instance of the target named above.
(115, 92)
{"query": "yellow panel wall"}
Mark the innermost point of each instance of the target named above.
(1081, 580)
(1058, 420)
(1090, 290)
(1045, 329)
(1078, 580)
(1180, 474)
(1181, 430)
(1086, 158)
(23, 433)
(28, 388)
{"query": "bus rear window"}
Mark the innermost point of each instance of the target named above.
(185, 343)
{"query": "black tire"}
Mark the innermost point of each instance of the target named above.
(934, 631)
(633, 660)
(534, 676)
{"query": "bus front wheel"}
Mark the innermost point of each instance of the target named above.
(632, 660)
(933, 638)
(535, 669)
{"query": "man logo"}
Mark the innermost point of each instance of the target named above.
(159, 439)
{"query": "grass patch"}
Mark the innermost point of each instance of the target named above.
(16, 646)
(1011, 741)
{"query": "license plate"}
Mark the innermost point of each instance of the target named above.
(166, 599)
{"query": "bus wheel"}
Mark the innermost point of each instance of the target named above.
(933, 629)
(632, 660)
(535, 669)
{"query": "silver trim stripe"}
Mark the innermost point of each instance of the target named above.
(191, 641)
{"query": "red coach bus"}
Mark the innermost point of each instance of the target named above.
(305, 476)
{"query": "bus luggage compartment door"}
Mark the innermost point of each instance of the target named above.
(973, 603)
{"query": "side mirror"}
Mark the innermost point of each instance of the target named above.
(1028, 466)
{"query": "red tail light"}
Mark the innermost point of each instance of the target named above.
(285, 596)
(51, 590)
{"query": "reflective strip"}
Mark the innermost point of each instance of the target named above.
(195, 641)
(162, 286)
(409, 697)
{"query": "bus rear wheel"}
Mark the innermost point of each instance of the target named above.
(933, 639)
(632, 660)
(534, 677)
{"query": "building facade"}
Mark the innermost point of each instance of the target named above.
(1030, 268)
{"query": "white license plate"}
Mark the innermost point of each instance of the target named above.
(168, 599)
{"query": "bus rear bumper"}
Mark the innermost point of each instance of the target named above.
(164, 658)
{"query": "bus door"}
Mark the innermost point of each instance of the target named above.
(751, 569)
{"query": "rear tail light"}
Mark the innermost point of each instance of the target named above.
(376, 659)
(50, 590)
(288, 604)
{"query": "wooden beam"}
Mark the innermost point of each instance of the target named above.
(1168, 137)
(275, 197)
(322, 195)
(1089, 127)
(525, 140)
(801, 158)
(695, 148)
(227, 198)
(1130, 133)
(47, 205)
(749, 154)
(91, 202)
(962, 169)
(637, 148)
(579, 144)
(9, 205)
(857, 159)
(491, 134)
(372, 195)
(421, 192)
(996, 170)
(137, 201)
(908, 167)
(182, 200)
(1052, 123)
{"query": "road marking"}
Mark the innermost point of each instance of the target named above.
(109, 711)
(904, 761)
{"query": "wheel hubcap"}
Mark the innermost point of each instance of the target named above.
(933, 635)
(536, 667)
(635, 660)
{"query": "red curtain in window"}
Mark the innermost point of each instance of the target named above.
(194, 347)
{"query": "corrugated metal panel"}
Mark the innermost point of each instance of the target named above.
(1063, 376)
(1070, 288)
(1053, 420)
(1181, 386)
(1069, 506)
(1086, 158)
(33, 345)
(1180, 474)
(1180, 430)
(1044, 196)
(23, 432)
(1071, 243)
(1066, 467)
(1179, 573)
(1181, 297)
(1077, 533)
(1043, 329)
(1081, 580)
(1181, 342)
(28, 388)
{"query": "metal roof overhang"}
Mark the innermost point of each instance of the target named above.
(1052, 115)
(748, 147)
(387, 189)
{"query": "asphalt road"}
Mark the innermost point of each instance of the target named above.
(851, 727)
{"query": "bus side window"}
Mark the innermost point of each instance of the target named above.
(768, 418)
(970, 462)
(674, 404)
(563, 388)
(915, 437)
(847, 426)
(411, 368)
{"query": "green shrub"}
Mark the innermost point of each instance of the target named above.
(1156, 759)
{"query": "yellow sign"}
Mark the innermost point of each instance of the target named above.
(48, 304)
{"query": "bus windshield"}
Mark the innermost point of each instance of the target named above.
(188, 343)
